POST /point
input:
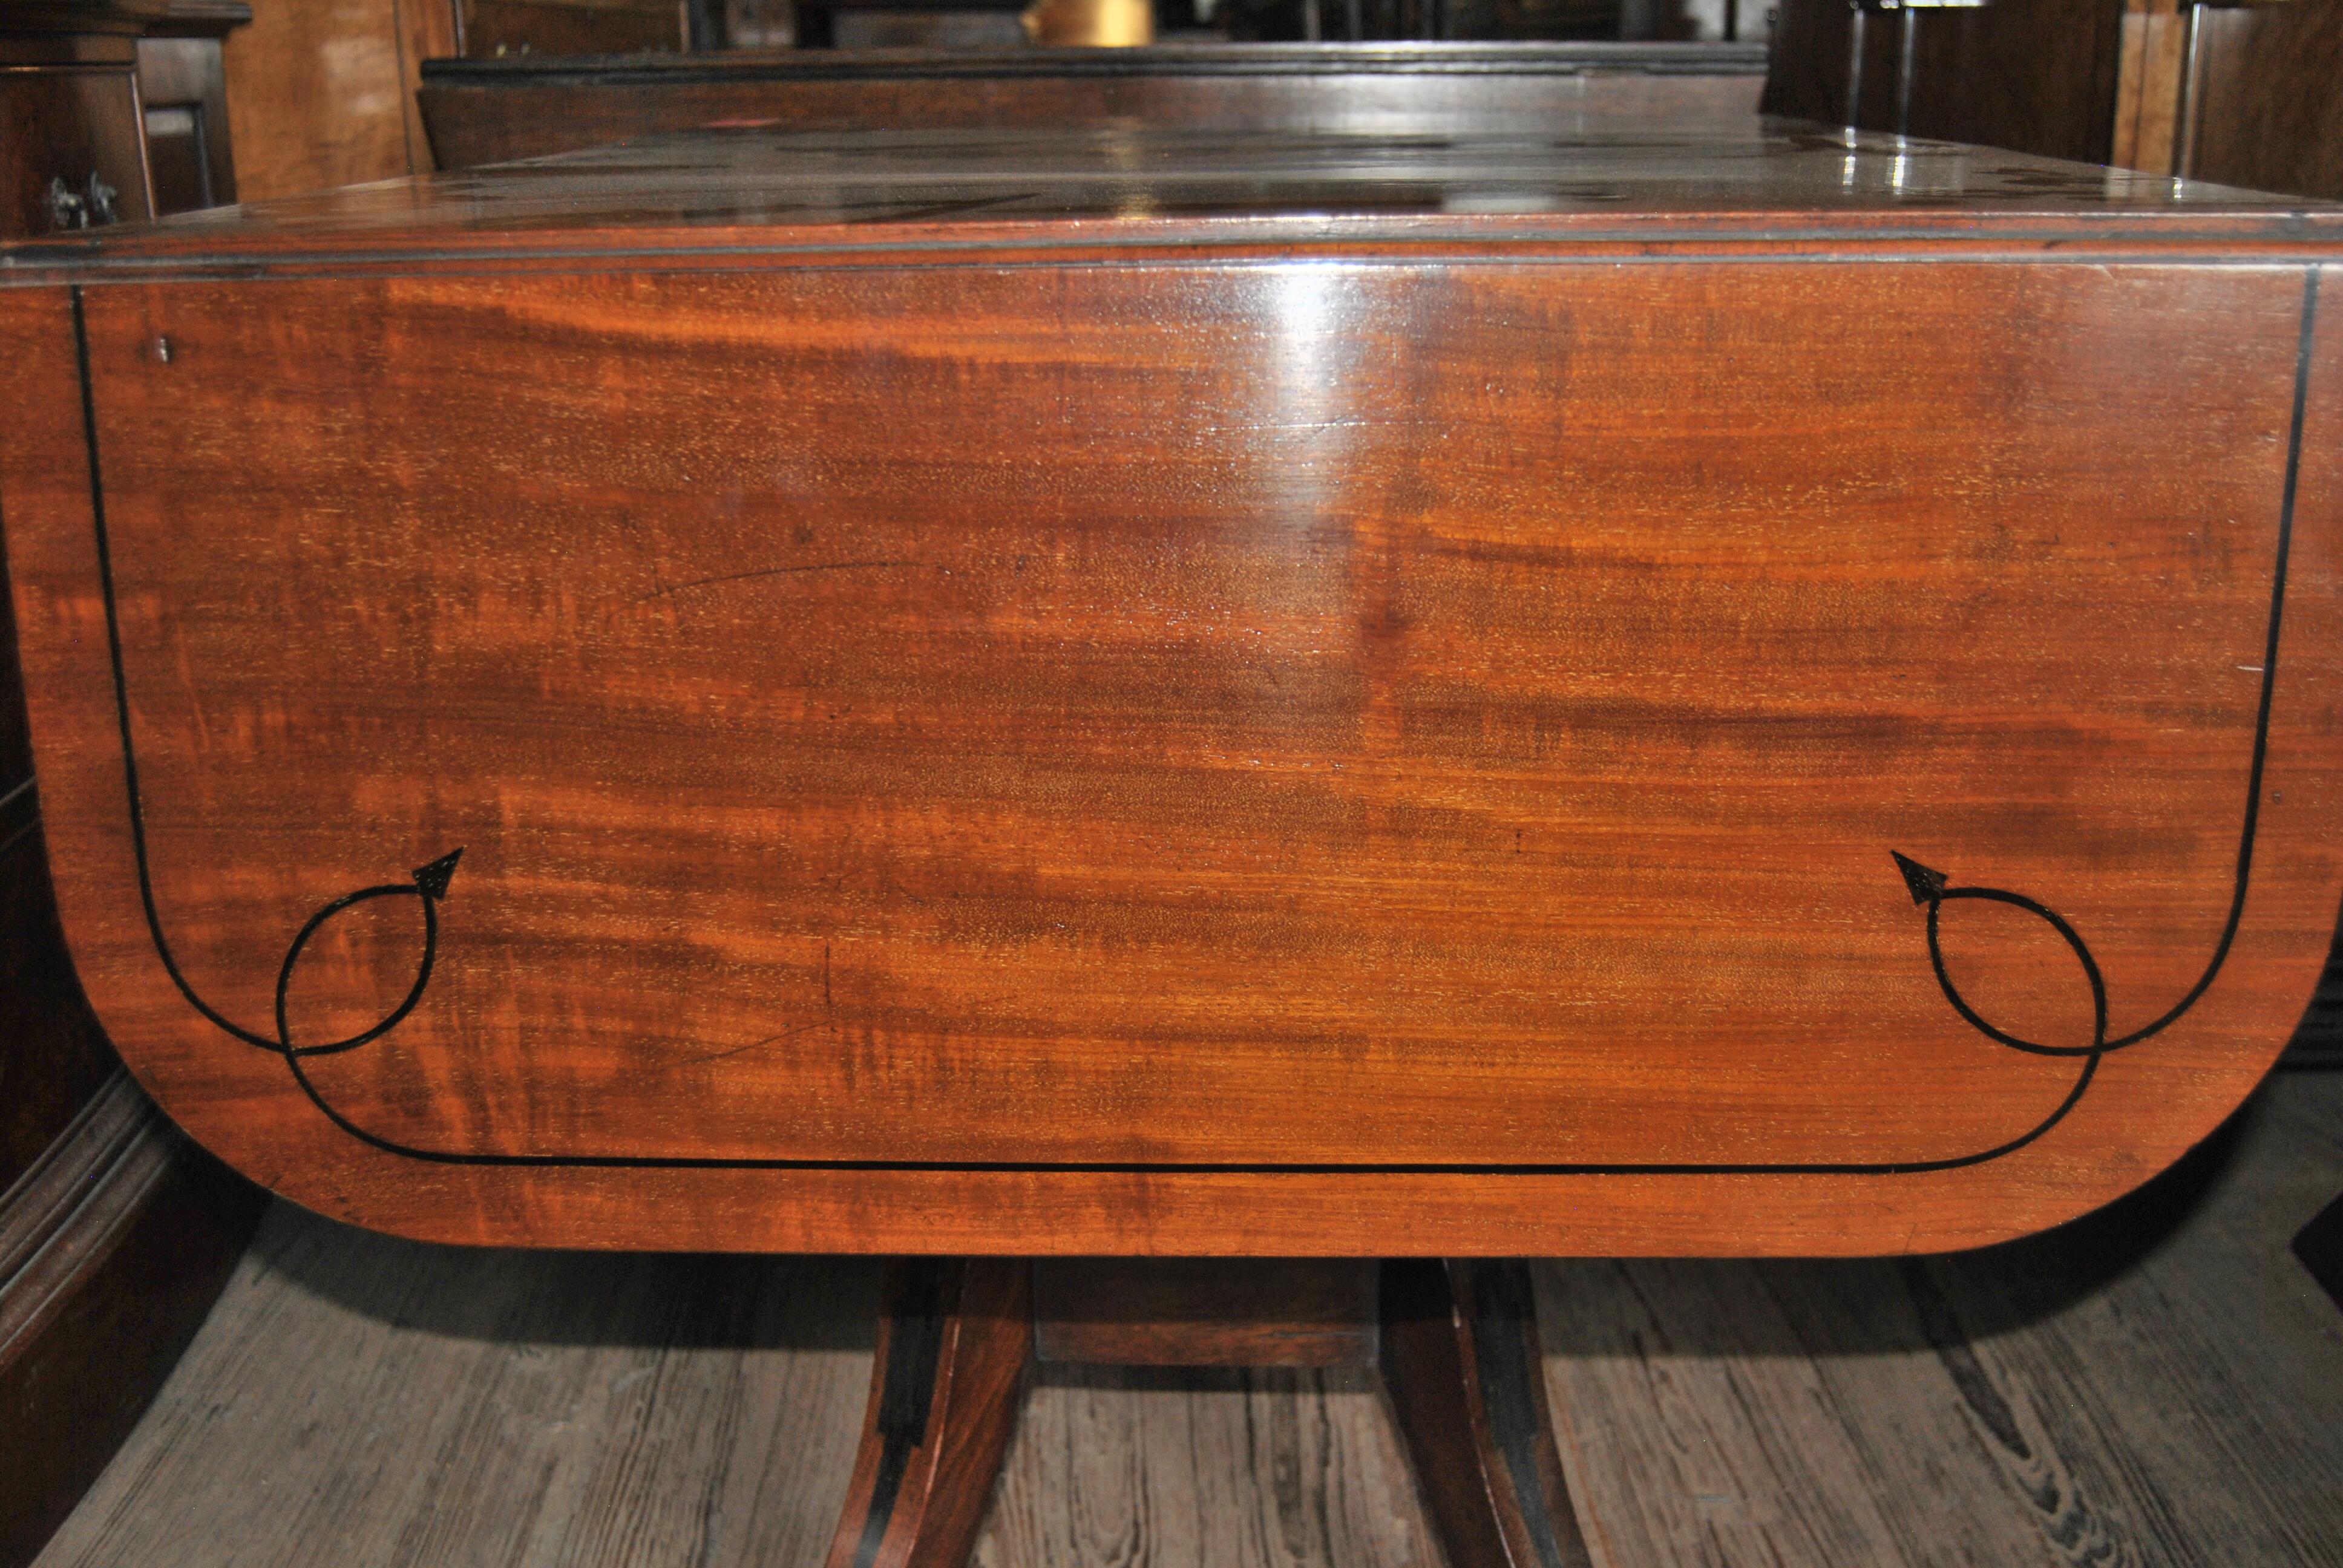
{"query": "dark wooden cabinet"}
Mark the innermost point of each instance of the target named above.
(2040, 76)
(2265, 98)
(70, 147)
(2236, 93)
(183, 110)
(112, 111)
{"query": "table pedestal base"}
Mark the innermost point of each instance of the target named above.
(1456, 1344)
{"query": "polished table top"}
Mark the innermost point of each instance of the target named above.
(1775, 183)
(1132, 692)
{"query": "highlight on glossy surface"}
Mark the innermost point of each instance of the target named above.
(1451, 745)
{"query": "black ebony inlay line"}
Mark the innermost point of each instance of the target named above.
(1930, 888)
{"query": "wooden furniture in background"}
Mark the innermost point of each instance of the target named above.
(2243, 93)
(2266, 98)
(488, 111)
(69, 105)
(326, 89)
(115, 1233)
(112, 111)
(493, 28)
(2239, 92)
(324, 92)
(2040, 76)
(1142, 693)
(114, 1243)
(931, 26)
(183, 102)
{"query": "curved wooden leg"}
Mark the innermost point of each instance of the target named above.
(955, 1337)
(1461, 1362)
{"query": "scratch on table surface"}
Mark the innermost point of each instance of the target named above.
(667, 589)
(789, 1033)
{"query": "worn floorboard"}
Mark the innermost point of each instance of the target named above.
(2162, 1383)
(360, 1401)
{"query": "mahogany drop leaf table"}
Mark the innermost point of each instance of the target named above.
(1143, 694)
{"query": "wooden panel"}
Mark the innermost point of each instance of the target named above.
(183, 90)
(1205, 1312)
(1181, 752)
(483, 112)
(68, 123)
(2155, 52)
(2270, 98)
(1806, 77)
(496, 27)
(319, 95)
(2035, 75)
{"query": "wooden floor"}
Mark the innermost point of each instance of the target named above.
(2162, 1383)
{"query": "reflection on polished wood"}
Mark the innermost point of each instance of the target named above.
(324, 92)
(483, 111)
(1143, 694)
(2266, 99)
(2041, 76)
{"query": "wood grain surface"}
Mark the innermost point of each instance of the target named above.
(324, 91)
(2162, 1382)
(948, 1374)
(2268, 111)
(444, 1406)
(1369, 755)
(1206, 1312)
(2174, 1376)
(2040, 76)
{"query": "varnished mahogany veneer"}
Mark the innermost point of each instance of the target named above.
(1205, 1311)
(1183, 694)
